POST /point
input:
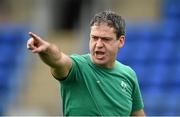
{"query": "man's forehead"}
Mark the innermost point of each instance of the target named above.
(102, 31)
(102, 27)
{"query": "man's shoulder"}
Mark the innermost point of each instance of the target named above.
(126, 68)
(80, 58)
(122, 65)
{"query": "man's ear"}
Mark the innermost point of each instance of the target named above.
(121, 41)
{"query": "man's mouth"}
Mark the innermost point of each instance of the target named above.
(99, 54)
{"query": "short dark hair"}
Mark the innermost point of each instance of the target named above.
(112, 19)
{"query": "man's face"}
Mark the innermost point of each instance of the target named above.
(104, 45)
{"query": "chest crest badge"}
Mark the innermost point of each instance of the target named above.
(123, 86)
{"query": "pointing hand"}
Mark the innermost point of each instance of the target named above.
(36, 44)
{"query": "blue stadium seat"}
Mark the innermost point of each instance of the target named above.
(171, 9)
(12, 42)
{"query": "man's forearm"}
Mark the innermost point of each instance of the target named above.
(51, 56)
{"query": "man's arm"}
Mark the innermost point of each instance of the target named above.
(138, 113)
(59, 62)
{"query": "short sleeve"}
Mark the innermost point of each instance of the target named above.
(72, 72)
(137, 97)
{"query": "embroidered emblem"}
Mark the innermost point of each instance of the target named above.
(123, 86)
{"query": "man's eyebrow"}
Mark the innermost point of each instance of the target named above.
(106, 37)
(94, 35)
(103, 37)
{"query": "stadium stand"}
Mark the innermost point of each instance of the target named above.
(12, 45)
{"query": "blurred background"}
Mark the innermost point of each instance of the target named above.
(151, 49)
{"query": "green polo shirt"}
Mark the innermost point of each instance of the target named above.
(91, 90)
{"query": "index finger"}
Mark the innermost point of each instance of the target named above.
(34, 35)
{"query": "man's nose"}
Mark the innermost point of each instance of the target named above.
(99, 43)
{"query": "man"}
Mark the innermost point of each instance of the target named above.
(94, 84)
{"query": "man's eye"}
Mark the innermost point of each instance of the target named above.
(106, 39)
(95, 38)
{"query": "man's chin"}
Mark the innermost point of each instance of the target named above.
(99, 61)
